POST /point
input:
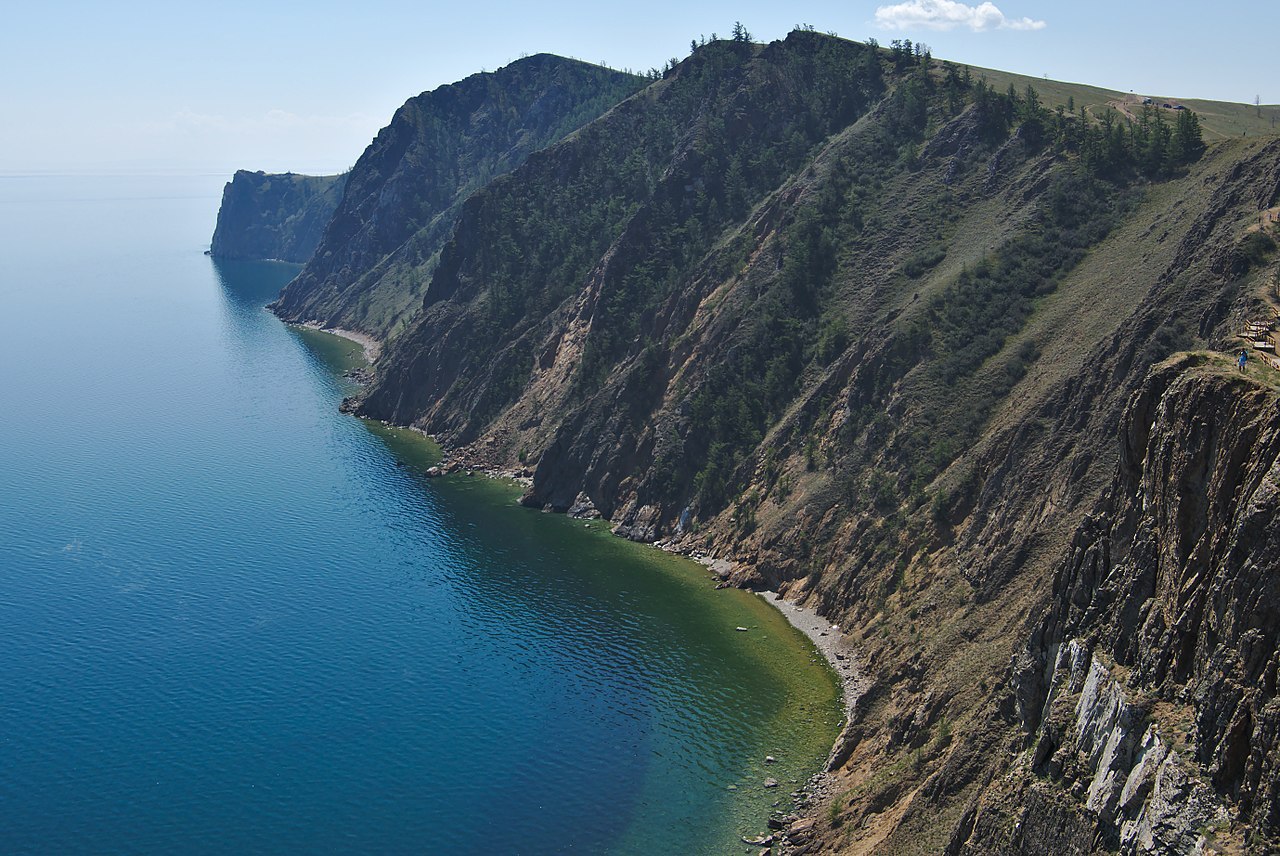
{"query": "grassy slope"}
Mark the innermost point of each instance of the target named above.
(964, 642)
(1219, 119)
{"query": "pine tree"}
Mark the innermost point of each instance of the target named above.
(1188, 142)
(1031, 118)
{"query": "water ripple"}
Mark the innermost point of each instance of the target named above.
(236, 622)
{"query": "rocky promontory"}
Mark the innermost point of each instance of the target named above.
(378, 251)
(275, 216)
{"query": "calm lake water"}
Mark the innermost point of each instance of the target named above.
(235, 620)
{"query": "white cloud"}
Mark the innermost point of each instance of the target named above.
(949, 14)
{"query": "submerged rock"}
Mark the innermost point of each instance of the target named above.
(800, 831)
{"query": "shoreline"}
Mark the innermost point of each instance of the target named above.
(372, 347)
(836, 647)
(832, 643)
(840, 653)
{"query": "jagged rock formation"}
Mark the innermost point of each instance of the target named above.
(871, 330)
(1149, 688)
(404, 193)
(280, 216)
(1012, 504)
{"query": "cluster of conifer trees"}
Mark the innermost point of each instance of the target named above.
(732, 410)
(544, 234)
(1109, 143)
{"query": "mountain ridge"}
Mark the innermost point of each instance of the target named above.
(403, 194)
(890, 340)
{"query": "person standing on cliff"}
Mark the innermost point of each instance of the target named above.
(1243, 358)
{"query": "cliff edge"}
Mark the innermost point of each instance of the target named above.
(1148, 690)
(274, 216)
(402, 198)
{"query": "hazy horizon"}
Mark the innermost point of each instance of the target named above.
(133, 89)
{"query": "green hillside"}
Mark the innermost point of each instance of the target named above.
(868, 327)
(1220, 119)
(403, 195)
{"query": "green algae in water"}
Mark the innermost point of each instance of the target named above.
(787, 699)
(338, 352)
(734, 698)
(412, 448)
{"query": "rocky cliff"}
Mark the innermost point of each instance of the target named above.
(282, 217)
(882, 336)
(404, 193)
(1148, 689)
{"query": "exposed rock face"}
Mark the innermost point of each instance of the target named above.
(1070, 756)
(795, 306)
(280, 217)
(1173, 580)
(403, 194)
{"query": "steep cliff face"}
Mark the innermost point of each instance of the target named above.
(870, 330)
(561, 265)
(404, 193)
(1149, 688)
(936, 626)
(282, 217)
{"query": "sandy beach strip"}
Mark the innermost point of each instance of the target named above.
(372, 347)
(834, 645)
(827, 637)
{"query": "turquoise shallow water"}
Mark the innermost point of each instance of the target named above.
(238, 621)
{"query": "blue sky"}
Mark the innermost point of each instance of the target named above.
(147, 86)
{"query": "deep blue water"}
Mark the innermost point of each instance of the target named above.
(235, 620)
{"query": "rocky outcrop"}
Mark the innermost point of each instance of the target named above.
(377, 254)
(1173, 579)
(274, 216)
(1148, 690)
(819, 309)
